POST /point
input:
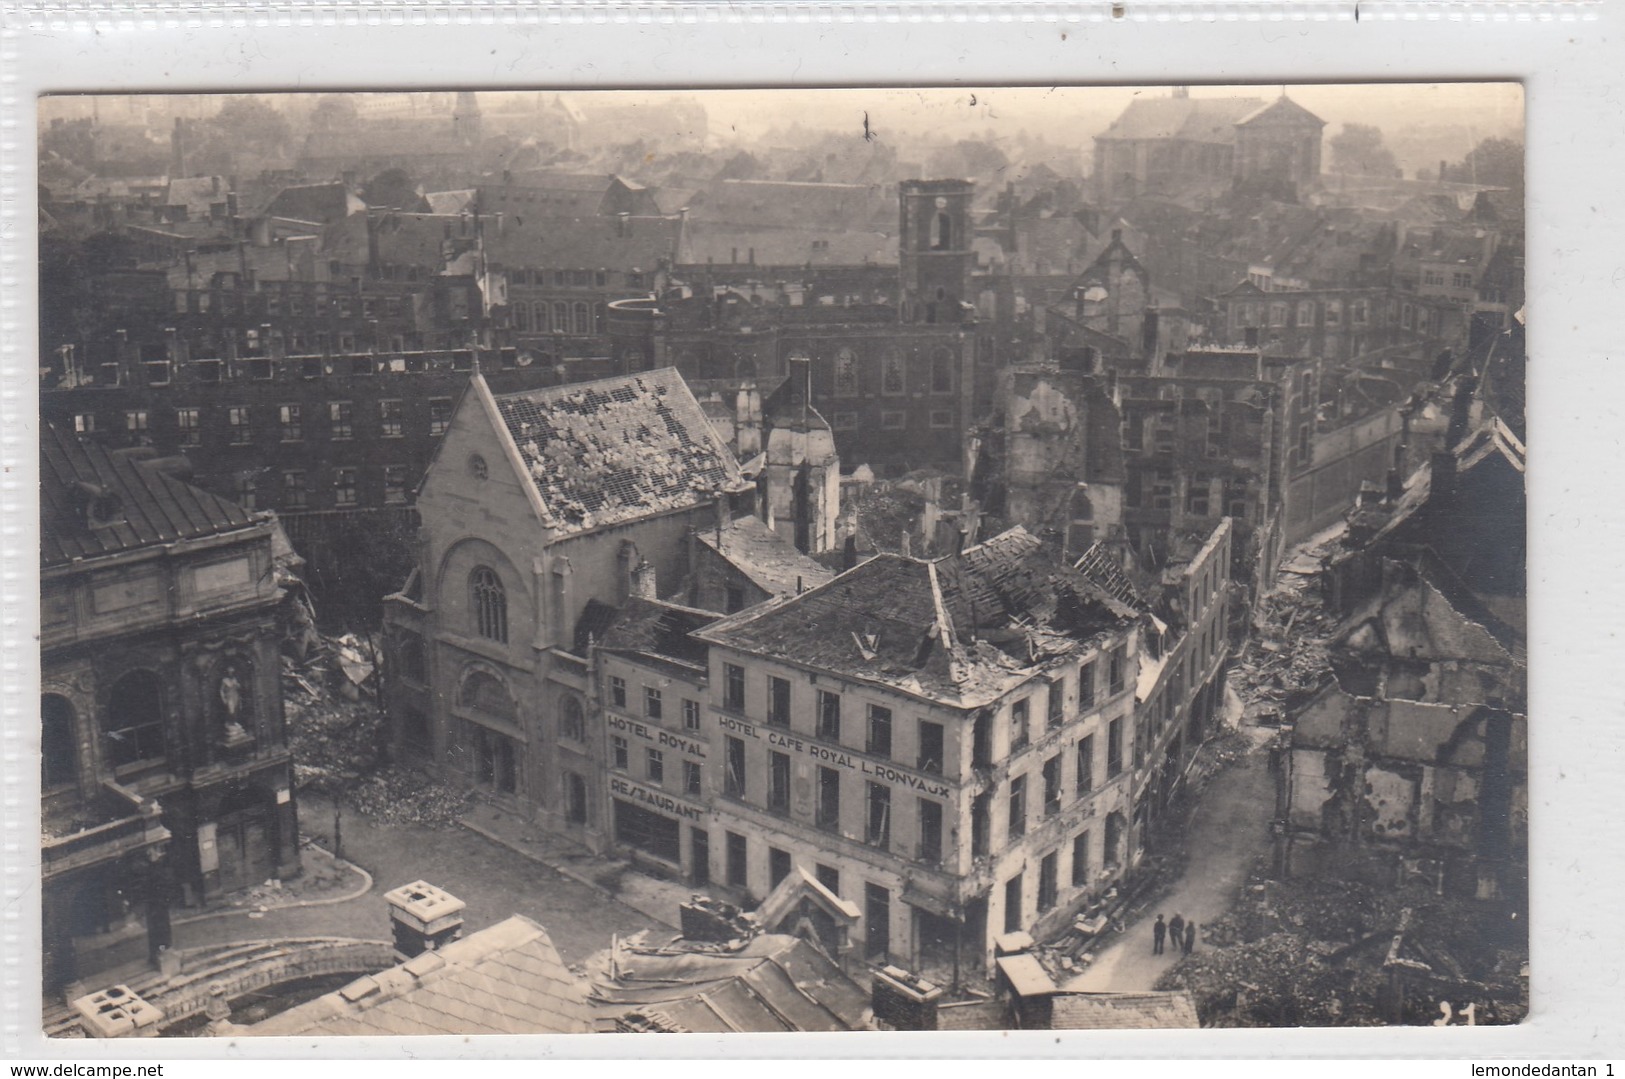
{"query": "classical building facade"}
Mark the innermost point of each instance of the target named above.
(165, 775)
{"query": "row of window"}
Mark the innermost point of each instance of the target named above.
(1438, 279)
(295, 490)
(1302, 313)
(654, 766)
(295, 304)
(1411, 316)
(1156, 489)
(826, 809)
(557, 317)
(654, 704)
(1049, 885)
(893, 373)
(564, 278)
(876, 897)
(291, 426)
(891, 419)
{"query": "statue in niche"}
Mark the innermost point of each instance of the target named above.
(233, 704)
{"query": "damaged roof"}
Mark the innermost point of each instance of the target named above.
(772, 983)
(507, 979)
(617, 449)
(963, 628)
(660, 630)
(1413, 619)
(769, 561)
(95, 503)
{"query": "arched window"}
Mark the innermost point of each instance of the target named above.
(484, 693)
(521, 316)
(572, 721)
(490, 601)
(133, 724)
(583, 319)
(59, 751)
(846, 373)
(891, 373)
(561, 317)
(575, 798)
(945, 233)
(542, 322)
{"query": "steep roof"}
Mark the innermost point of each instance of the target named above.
(962, 629)
(775, 982)
(81, 484)
(326, 203)
(1195, 119)
(196, 193)
(1283, 111)
(1122, 1011)
(617, 449)
(766, 558)
(507, 979)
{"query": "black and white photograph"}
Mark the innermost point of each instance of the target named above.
(564, 561)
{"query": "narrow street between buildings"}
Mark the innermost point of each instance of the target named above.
(1229, 831)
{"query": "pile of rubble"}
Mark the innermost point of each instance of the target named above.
(335, 727)
(397, 795)
(1320, 952)
(1284, 663)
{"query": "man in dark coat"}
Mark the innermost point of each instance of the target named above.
(1176, 930)
(1190, 936)
(1158, 932)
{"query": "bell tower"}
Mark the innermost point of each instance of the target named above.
(934, 249)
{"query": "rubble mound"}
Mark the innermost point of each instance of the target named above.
(396, 795)
(1322, 952)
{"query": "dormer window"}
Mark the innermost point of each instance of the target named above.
(104, 510)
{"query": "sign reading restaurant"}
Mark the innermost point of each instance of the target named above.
(665, 803)
(839, 757)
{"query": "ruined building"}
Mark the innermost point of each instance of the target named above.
(945, 743)
(1415, 760)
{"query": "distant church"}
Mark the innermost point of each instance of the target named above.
(1180, 145)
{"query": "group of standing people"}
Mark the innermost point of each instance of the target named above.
(1177, 933)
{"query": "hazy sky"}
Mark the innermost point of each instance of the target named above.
(1064, 115)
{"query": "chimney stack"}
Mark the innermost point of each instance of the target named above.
(904, 1001)
(118, 1012)
(643, 581)
(424, 918)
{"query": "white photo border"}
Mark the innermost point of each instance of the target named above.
(1566, 55)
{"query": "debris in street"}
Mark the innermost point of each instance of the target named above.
(397, 795)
